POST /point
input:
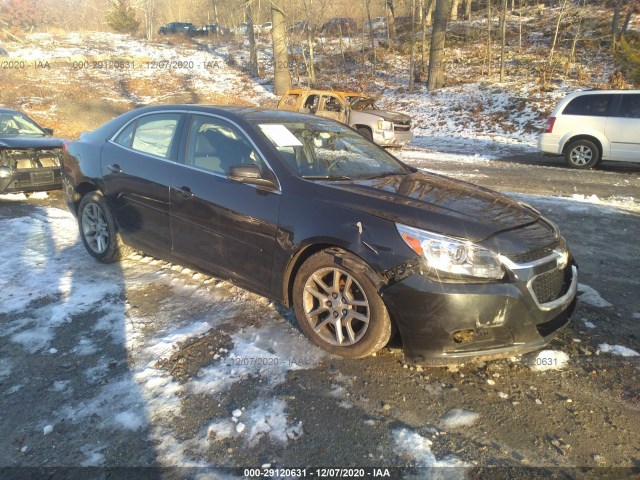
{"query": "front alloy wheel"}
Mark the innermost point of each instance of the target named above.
(94, 228)
(338, 307)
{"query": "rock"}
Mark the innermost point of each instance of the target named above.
(237, 413)
(503, 395)
(599, 459)
(240, 427)
(24, 449)
(491, 382)
(386, 406)
(538, 401)
(47, 430)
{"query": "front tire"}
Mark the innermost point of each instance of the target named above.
(98, 229)
(338, 307)
(582, 154)
(366, 133)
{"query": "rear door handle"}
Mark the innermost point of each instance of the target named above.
(184, 193)
(114, 168)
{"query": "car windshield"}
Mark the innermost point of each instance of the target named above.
(13, 123)
(318, 149)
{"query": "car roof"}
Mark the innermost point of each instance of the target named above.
(300, 91)
(248, 113)
(9, 110)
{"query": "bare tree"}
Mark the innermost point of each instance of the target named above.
(391, 22)
(454, 9)
(373, 41)
(282, 76)
(503, 39)
(412, 61)
(633, 9)
(438, 36)
(488, 58)
(615, 22)
(253, 49)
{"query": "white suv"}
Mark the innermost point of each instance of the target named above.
(594, 125)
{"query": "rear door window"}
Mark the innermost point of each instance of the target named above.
(152, 134)
(630, 106)
(593, 105)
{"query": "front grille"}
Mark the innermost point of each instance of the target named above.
(533, 255)
(548, 286)
(402, 126)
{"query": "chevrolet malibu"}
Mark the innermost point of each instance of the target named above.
(306, 211)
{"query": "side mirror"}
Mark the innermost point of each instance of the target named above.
(48, 131)
(249, 174)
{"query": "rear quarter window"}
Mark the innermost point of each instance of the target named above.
(593, 105)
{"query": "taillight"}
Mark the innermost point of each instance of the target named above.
(548, 128)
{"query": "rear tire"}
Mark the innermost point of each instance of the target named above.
(98, 229)
(338, 307)
(582, 154)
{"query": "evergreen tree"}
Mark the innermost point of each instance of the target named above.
(121, 17)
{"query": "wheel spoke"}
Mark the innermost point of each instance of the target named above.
(322, 298)
(323, 324)
(317, 311)
(336, 280)
(358, 316)
(339, 334)
(320, 283)
(350, 332)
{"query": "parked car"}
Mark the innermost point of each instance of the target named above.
(213, 29)
(29, 155)
(265, 28)
(173, 28)
(377, 24)
(304, 210)
(340, 26)
(384, 127)
(593, 125)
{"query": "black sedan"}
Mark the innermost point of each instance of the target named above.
(29, 155)
(306, 211)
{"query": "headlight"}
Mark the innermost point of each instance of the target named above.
(452, 256)
(384, 125)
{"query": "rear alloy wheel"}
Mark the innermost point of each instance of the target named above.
(338, 307)
(98, 229)
(582, 154)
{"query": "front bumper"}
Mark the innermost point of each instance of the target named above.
(392, 138)
(446, 323)
(31, 180)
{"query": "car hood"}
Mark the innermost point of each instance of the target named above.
(389, 115)
(435, 203)
(20, 142)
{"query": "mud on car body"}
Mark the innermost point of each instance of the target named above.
(306, 211)
(29, 155)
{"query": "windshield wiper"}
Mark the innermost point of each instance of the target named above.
(326, 177)
(382, 175)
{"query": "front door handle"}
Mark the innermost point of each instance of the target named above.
(184, 193)
(114, 168)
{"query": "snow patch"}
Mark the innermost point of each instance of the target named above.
(457, 418)
(129, 420)
(5, 368)
(617, 350)
(417, 450)
(268, 419)
(590, 296)
(588, 324)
